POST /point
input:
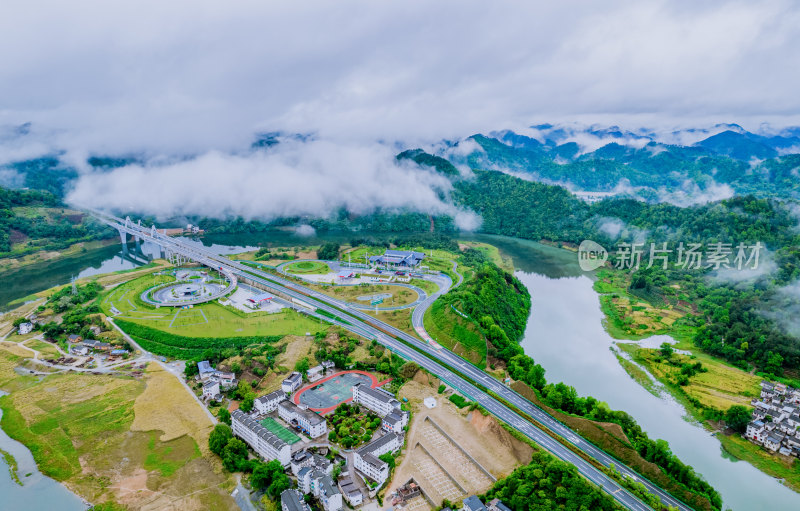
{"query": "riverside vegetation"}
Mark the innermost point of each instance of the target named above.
(502, 305)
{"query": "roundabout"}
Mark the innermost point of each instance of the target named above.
(190, 287)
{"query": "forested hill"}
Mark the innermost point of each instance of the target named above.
(741, 162)
(33, 220)
(745, 321)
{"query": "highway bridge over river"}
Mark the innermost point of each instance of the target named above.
(468, 379)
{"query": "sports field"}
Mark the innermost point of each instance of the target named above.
(279, 431)
(328, 393)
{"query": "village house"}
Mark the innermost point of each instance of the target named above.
(383, 404)
(351, 493)
(472, 503)
(79, 350)
(292, 500)
(497, 505)
(93, 344)
(306, 459)
(25, 328)
(211, 390)
(318, 483)
(292, 383)
(776, 420)
(206, 372)
(269, 402)
(366, 459)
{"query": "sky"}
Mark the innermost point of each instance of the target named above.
(190, 78)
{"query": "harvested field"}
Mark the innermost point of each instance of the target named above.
(167, 406)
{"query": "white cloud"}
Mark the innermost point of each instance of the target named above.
(193, 81)
(784, 308)
(690, 193)
(612, 227)
(747, 275)
(305, 230)
(295, 178)
(180, 76)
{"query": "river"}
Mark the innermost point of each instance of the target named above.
(564, 334)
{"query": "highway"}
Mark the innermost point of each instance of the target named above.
(433, 358)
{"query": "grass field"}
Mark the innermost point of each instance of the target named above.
(455, 333)
(399, 319)
(46, 349)
(80, 429)
(400, 295)
(279, 431)
(308, 268)
(205, 320)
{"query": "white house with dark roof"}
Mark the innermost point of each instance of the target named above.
(263, 441)
(204, 369)
(773, 442)
(351, 493)
(292, 382)
(322, 486)
(307, 459)
(395, 422)
(756, 432)
(269, 402)
(383, 404)
(211, 390)
(292, 500)
(497, 505)
(25, 328)
(306, 420)
(366, 459)
(472, 503)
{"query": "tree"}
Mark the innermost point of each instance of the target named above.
(409, 369)
(219, 438)
(234, 455)
(388, 458)
(737, 417)
(302, 365)
(224, 416)
(328, 252)
(280, 483)
(247, 404)
(265, 473)
(666, 350)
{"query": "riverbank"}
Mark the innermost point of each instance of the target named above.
(110, 439)
(566, 336)
(706, 391)
(23, 486)
(51, 256)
